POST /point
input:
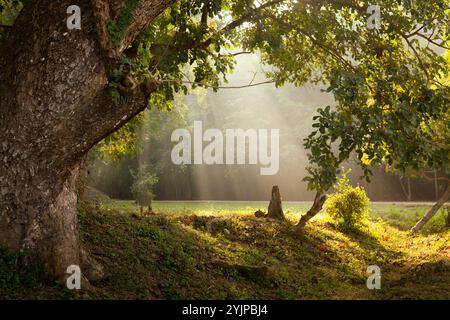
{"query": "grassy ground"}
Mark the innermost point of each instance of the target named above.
(402, 216)
(220, 250)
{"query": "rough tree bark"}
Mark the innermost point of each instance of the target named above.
(275, 210)
(55, 105)
(430, 214)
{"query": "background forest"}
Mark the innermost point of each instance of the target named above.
(288, 108)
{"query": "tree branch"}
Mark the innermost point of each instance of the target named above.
(145, 12)
(112, 116)
(251, 84)
(422, 65)
(440, 178)
(229, 27)
(432, 41)
(102, 16)
(321, 46)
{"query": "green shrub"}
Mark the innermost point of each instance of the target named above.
(348, 207)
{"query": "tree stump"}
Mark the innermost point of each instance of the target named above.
(260, 214)
(275, 210)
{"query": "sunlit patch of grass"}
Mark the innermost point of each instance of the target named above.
(400, 216)
(405, 216)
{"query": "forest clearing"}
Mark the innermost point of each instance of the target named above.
(176, 254)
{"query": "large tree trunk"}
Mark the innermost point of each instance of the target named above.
(430, 214)
(55, 105)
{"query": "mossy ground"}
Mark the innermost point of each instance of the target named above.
(175, 255)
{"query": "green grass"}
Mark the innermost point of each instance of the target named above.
(402, 216)
(209, 208)
(178, 254)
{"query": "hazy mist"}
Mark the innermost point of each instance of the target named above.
(288, 109)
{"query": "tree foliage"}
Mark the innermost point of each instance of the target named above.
(392, 104)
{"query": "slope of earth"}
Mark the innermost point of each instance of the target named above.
(204, 256)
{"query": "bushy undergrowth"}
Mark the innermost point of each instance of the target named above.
(14, 276)
(348, 207)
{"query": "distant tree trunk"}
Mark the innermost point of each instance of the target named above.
(406, 190)
(55, 106)
(319, 200)
(436, 186)
(430, 214)
(275, 210)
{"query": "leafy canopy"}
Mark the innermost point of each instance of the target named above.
(389, 83)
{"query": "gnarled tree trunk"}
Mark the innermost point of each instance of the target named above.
(55, 105)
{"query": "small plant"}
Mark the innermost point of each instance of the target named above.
(142, 188)
(118, 28)
(349, 206)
